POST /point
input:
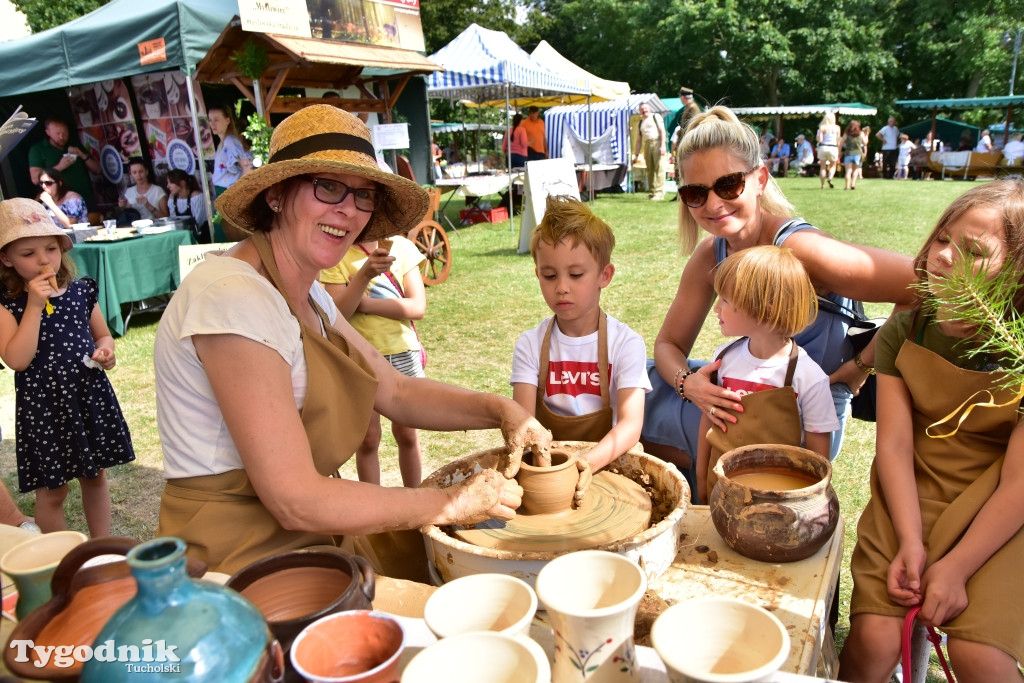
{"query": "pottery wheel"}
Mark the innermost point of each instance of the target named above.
(615, 508)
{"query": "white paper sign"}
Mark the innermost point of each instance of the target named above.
(544, 178)
(284, 17)
(191, 255)
(391, 136)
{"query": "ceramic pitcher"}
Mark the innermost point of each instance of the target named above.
(31, 564)
(591, 597)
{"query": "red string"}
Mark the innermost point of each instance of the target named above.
(933, 637)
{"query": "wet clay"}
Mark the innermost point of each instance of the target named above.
(295, 592)
(614, 508)
(548, 489)
(773, 479)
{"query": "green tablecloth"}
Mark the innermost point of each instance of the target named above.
(131, 270)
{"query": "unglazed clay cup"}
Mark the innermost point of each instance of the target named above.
(548, 489)
(348, 647)
(591, 597)
(719, 640)
(482, 602)
(31, 564)
(481, 656)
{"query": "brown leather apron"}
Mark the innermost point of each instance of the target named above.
(220, 516)
(769, 416)
(592, 426)
(955, 477)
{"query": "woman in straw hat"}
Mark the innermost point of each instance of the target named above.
(264, 389)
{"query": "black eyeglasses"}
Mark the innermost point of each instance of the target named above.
(729, 186)
(47, 183)
(334, 192)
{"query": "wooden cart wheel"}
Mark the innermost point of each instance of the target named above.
(432, 241)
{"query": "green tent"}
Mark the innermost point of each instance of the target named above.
(947, 130)
(114, 42)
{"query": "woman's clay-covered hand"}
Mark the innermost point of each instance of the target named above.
(520, 436)
(485, 495)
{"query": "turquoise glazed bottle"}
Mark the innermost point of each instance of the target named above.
(179, 629)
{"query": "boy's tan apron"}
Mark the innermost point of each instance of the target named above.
(955, 476)
(769, 416)
(220, 516)
(592, 426)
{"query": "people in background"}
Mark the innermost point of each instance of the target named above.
(680, 120)
(852, 146)
(803, 156)
(780, 156)
(65, 205)
(828, 148)
(890, 137)
(186, 201)
(1013, 151)
(518, 151)
(55, 152)
(232, 159)
(650, 141)
(145, 197)
(984, 142)
(536, 138)
(903, 161)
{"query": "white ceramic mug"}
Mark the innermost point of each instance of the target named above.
(719, 640)
(591, 597)
(481, 602)
(479, 656)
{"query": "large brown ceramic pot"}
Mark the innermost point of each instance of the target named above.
(774, 503)
(548, 489)
(294, 589)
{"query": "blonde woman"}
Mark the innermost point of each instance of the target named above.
(828, 148)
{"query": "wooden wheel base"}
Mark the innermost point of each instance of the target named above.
(432, 241)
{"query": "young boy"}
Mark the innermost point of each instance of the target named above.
(589, 367)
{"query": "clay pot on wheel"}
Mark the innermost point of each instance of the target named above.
(294, 589)
(774, 503)
(548, 489)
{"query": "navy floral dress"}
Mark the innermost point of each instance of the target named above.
(67, 419)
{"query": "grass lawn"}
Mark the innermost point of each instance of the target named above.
(475, 317)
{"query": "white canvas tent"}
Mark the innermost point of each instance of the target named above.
(600, 88)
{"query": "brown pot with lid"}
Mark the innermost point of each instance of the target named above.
(84, 599)
(774, 503)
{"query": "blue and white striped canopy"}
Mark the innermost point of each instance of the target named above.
(591, 122)
(483, 65)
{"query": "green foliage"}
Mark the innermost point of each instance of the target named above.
(257, 132)
(44, 14)
(251, 60)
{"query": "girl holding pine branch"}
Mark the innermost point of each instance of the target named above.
(943, 527)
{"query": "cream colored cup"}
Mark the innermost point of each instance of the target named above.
(481, 656)
(719, 640)
(31, 564)
(481, 602)
(591, 597)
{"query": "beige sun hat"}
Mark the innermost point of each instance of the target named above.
(324, 139)
(20, 217)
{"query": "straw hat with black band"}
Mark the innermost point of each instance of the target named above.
(324, 139)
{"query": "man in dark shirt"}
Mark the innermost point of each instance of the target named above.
(71, 161)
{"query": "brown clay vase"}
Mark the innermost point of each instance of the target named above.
(294, 589)
(548, 489)
(83, 601)
(774, 503)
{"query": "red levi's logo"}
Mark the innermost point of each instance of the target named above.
(745, 386)
(573, 378)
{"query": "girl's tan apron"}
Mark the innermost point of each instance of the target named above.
(955, 476)
(769, 416)
(220, 516)
(592, 426)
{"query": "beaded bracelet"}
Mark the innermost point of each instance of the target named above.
(864, 367)
(680, 381)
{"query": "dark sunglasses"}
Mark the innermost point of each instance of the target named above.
(47, 183)
(334, 192)
(729, 186)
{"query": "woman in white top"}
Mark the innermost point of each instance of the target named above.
(145, 197)
(828, 148)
